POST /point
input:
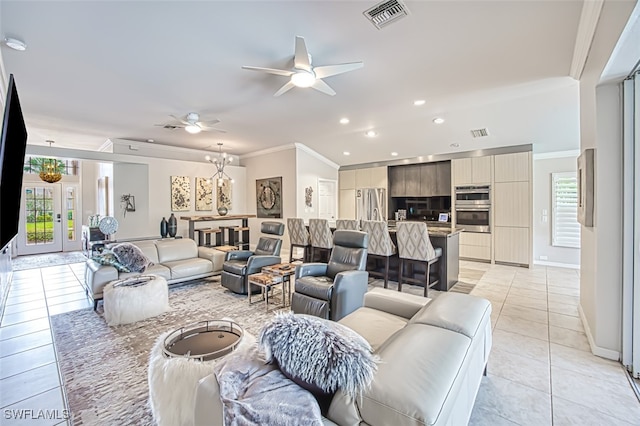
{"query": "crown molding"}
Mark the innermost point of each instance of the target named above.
(315, 154)
(266, 151)
(584, 38)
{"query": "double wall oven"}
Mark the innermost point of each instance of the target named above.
(473, 208)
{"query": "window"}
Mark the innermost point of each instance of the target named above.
(565, 226)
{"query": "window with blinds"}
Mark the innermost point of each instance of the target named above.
(565, 226)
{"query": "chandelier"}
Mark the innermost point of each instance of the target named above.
(220, 162)
(50, 168)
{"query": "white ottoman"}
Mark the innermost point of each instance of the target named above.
(173, 380)
(134, 299)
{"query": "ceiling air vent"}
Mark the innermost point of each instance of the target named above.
(386, 12)
(480, 133)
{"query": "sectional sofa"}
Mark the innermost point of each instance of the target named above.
(176, 260)
(433, 356)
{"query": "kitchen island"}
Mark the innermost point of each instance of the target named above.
(446, 238)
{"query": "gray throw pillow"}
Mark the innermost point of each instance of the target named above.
(131, 256)
(108, 258)
(319, 352)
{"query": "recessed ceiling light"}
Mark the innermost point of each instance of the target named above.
(438, 120)
(15, 44)
(394, 154)
(371, 133)
(346, 153)
(344, 120)
(419, 102)
(454, 145)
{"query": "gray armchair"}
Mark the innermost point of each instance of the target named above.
(239, 264)
(335, 289)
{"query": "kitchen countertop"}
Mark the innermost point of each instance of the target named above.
(439, 230)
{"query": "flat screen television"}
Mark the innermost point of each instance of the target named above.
(12, 149)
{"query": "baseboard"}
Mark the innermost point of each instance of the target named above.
(557, 264)
(595, 349)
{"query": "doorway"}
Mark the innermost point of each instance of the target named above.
(48, 218)
(327, 199)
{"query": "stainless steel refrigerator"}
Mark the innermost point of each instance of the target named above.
(371, 204)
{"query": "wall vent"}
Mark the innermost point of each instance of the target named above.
(386, 12)
(480, 133)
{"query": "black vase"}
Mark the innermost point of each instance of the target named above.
(173, 225)
(164, 228)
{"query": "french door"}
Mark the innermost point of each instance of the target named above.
(48, 214)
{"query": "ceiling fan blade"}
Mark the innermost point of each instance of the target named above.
(180, 120)
(329, 70)
(288, 86)
(212, 129)
(270, 70)
(323, 87)
(208, 123)
(301, 58)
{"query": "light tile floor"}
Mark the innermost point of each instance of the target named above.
(540, 369)
(30, 385)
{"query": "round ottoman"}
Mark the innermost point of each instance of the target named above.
(180, 358)
(135, 298)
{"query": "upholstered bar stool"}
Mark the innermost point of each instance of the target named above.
(321, 238)
(353, 225)
(414, 246)
(380, 246)
(299, 238)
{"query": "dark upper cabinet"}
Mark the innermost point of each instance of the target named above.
(396, 181)
(428, 180)
(443, 169)
(412, 184)
(420, 180)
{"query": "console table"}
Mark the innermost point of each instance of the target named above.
(243, 241)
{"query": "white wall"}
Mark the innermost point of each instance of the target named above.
(269, 165)
(542, 200)
(310, 168)
(130, 178)
(601, 245)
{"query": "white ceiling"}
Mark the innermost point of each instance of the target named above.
(98, 70)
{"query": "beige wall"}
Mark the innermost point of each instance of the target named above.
(310, 168)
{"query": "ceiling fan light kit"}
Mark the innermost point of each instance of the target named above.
(304, 74)
(193, 129)
(192, 124)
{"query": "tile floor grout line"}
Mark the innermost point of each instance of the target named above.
(29, 397)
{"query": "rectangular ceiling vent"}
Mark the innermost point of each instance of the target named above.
(386, 13)
(480, 133)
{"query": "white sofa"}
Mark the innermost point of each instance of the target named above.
(434, 354)
(176, 260)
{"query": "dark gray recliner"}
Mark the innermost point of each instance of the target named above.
(335, 289)
(239, 264)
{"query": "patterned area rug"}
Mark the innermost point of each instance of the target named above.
(104, 369)
(21, 263)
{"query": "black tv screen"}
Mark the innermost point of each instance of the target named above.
(12, 150)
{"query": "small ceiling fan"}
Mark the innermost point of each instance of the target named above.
(192, 124)
(306, 75)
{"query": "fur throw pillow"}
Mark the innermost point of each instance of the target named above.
(106, 257)
(319, 352)
(131, 256)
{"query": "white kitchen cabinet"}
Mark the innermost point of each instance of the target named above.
(512, 167)
(347, 179)
(512, 204)
(347, 204)
(513, 245)
(471, 171)
(475, 245)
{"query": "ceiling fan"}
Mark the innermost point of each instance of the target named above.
(192, 124)
(306, 75)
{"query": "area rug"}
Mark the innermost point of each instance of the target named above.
(21, 263)
(104, 369)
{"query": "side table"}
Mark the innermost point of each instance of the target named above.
(284, 270)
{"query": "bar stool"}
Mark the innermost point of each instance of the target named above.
(380, 246)
(299, 238)
(321, 238)
(204, 236)
(414, 246)
(350, 224)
